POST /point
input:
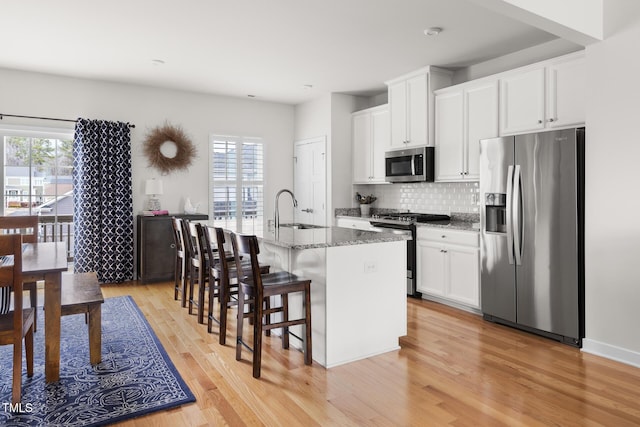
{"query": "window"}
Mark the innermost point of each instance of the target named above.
(37, 178)
(237, 183)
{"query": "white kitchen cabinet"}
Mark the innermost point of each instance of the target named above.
(411, 106)
(371, 138)
(354, 222)
(448, 266)
(566, 95)
(465, 114)
(449, 139)
(544, 96)
(522, 102)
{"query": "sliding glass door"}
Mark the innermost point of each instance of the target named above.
(36, 180)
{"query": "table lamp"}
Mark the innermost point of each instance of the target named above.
(153, 188)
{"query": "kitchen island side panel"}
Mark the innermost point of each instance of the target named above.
(358, 297)
(366, 300)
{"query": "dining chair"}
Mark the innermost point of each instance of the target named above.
(28, 227)
(16, 324)
(256, 289)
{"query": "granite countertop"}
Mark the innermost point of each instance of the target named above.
(453, 225)
(459, 221)
(327, 237)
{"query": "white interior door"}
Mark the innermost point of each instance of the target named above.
(310, 186)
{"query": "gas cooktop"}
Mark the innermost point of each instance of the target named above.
(409, 218)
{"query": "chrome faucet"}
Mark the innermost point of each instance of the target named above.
(276, 215)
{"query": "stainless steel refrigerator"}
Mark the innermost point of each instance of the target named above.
(532, 229)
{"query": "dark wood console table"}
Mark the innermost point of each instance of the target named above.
(156, 246)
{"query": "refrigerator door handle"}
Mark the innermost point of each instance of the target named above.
(517, 202)
(510, 213)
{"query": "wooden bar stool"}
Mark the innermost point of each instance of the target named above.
(256, 289)
(198, 270)
(223, 271)
(181, 271)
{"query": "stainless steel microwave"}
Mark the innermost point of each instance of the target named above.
(410, 165)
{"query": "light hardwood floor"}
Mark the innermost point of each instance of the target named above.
(453, 369)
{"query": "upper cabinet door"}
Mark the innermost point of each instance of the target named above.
(449, 136)
(566, 89)
(481, 112)
(398, 114)
(522, 102)
(380, 142)
(464, 115)
(361, 147)
(417, 111)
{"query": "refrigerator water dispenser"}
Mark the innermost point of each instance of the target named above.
(496, 212)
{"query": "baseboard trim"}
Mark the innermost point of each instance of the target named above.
(612, 352)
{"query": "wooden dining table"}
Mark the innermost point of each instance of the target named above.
(46, 261)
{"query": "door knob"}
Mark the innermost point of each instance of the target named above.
(307, 210)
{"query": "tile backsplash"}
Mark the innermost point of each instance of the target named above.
(427, 197)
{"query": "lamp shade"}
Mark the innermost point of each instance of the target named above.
(152, 187)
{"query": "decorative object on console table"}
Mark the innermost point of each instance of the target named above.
(153, 188)
(365, 203)
(189, 208)
(156, 246)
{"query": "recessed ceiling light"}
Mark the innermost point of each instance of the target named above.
(433, 31)
(157, 62)
(307, 86)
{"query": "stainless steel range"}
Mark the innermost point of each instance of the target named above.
(405, 223)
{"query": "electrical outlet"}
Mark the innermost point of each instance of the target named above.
(370, 267)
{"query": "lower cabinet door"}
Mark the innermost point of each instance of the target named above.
(462, 266)
(430, 265)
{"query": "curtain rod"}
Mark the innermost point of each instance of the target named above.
(47, 118)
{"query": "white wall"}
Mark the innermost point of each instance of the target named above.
(612, 197)
(577, 20)
(330, 116)
(517, 59)
(200, 115)
(341, 150)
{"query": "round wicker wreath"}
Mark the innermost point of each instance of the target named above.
(185, 150)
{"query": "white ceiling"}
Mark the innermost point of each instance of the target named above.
(266, 48)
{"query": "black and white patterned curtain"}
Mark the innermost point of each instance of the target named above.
(103, 203)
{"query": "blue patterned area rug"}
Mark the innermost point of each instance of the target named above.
(135, 377)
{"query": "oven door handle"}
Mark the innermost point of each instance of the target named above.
(391, 230)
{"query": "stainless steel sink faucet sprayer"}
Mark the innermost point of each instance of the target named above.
(276, 215)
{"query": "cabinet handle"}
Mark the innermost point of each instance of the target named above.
(173, 246)
(551, 120)
(539, 122)
(444, 236)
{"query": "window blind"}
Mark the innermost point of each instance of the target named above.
(237, 183)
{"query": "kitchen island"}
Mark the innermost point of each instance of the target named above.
(358, 288)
